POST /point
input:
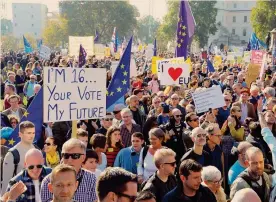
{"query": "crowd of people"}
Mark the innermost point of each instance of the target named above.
(154, 147)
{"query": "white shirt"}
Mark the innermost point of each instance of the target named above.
(243, 112)
(37, 194)
(16, 113)
(104, 163)
(97, 173)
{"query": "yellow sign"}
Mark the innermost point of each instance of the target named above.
(107, 52)
(253, 71)
(153, 64)
(99, 49)
(217, 60)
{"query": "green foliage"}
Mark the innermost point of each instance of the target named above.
(147, 28)
(205, 17)
(6, 27)
(9, 42)
(263, 17)
(84, 17)
(56, 32)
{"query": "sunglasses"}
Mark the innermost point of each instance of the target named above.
(13, 122)
(108, 119)
(132, 198)
(116, 112)
(73, 156)
(200, 135)
(33, 166)
(172, 163)
(226, 100)
(178, 116)
(48, 144)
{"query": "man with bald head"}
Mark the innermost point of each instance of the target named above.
(254, 176)
(246, 194)
(175, 105)
(197, 153)
(32, 176)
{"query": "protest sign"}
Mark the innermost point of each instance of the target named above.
(99, 49)
(154, 64)
(208, 98)
(87, 43)
(133, 68)
(257, 56)
(253, 71)
(74, 94)
(217, 60)
(174, 74)
(44, 52)
(149, 51)
(246, 56)
(230, 56)
(179, 60)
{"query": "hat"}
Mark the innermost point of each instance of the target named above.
(118, 107)
(245, 90)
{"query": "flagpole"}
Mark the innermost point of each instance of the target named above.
(74, 129)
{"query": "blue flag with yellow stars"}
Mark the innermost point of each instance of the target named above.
(82, 56)
(33, 114)
(27, 45)
(185, 29)
(120, 82)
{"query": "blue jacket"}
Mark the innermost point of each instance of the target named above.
(128, 159)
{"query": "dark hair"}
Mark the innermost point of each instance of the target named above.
(150, 123)
(255, 129)
(54, 140)
(91, 154)
(138, 135)
(113, 180)
(11, 86)
(98, 140)
(25, 124)
(189, 115)
(189, 165)
(109, 133)
(145, 195)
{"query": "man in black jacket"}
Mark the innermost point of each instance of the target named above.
(189, 188)
(163, 180)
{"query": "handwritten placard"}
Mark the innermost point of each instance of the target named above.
(45, 52)
(257, 56)
(74, 94)
(208, 98)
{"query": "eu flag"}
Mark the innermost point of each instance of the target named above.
(185, 29)
(27, 45)
(210, 66)
(115, 40)
(120, 84)
(256, 43)
(82, 56)
(96, 39)
(34, 114)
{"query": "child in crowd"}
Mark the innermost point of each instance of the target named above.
(91, 162)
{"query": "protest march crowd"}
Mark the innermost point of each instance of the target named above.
(161, 144)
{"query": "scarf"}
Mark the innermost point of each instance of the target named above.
(52, 160)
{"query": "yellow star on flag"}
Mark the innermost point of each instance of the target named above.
(125, 73)
(11, 141)
(26, 114)
(183, 34)
(122, 66)
(179, 45)
(112, 93)
(107, 93)
(184, 27)
(124, 82)
(119, 89)
(178, 19)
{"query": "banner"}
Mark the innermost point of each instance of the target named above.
(208, 98)
(179, 60)
(217, 60)
(246, 56)
(230, 56)
(86, 41)
(257, 56)
(74, 94)
(99, 49)
(174, 74)
(154, 64)
(44, 52)
(253, 71)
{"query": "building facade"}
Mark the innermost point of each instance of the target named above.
(29, 18)
(3, 9)
(233, 23)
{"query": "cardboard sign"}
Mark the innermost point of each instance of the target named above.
(230, 56)
(246, 56)
(208, 98)
(217, 60)
(253, 71)
(74, 94)
(174, 74)
(179, 60)
(257, 57)
(44, 52)
(86, 41)
(99, 49)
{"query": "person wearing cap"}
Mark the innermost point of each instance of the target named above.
(117, 120)
(247, 109)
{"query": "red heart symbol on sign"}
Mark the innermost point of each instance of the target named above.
(175, 72)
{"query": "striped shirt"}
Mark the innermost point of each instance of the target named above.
(86, 191)
(111, 154)
(126, 134)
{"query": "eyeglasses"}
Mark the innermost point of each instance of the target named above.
(226, 100)
(132, 198)
(33, 166)
(13, 122)
(48, 144)
(110, 119)
(200, 135)
(172, 163)
(178, 116)
(217, 182)
(73, 156)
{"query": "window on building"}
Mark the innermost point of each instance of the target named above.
(244, 32)
(235, 5)
(233, 31)
(234, 18)
(245, 18)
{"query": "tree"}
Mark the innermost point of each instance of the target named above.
(56, 32)
(263, 17)
(84, 17)
(9, 42)
(205, 17)
(6, 27)
(147, 28)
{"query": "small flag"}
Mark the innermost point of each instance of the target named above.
(82, 56)
(34, 114)
(119, 84)
(155, 48)
(96, 39)
(124, 43)
(185, 29)
(27, 45)
(210, 66)
(39, 43)
(115, 40)
(256, 43)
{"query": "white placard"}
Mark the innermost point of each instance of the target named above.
(208, 98)
(174, 74)
(149, 51)
(113, 67)
(87, 43)
(74, 94)
(45, 52)
(179, 60)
